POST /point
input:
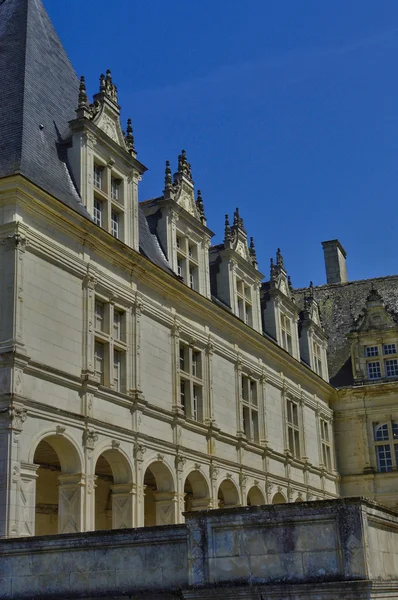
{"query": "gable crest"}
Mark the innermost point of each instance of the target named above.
(375, 315)
(104, 112)
(181, 189)
(235, 238)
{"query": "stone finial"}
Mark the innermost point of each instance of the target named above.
(279, 259)
(184, 166)
(199, 205)
(168, 182)
(129, 136)
(107, 87)
(289, 283)
(311, 290)
(252, 249)
(272, 268)
(238, 221)
(83, 98)
(227, 230)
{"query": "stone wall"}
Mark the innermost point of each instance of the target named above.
(323, 550)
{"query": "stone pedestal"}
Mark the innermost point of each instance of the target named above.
(70, 509)
(123, 498)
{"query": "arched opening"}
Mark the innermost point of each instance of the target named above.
(279, 499)
(228, 496)
(58, 490)
(113, 486)
(196, 492)
(255, 497)
(159, 501)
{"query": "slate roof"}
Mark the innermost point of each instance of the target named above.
(340, 305)
(38, 97)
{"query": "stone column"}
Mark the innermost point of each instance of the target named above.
(70, 503)
(166, 504)
(123, 499)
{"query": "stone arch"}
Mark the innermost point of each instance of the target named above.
(113, 487)
(59, 495)
(160, 495)
(228, 494)
(70, 455)
(255, 497)
(196, 492)
(279, 498)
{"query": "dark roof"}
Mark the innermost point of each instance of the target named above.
(340, 305)
(39, 94)
(149, 244)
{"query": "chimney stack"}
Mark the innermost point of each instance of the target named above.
(335, 263)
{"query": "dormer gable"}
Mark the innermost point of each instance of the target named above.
(104, 162)
(374, 342)
(178, 220)
(312, 338)
(279, 310)
(235, 277)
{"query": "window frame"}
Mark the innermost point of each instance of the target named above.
(293, 429)
(388, 442)
(250, 409)
(191, 381)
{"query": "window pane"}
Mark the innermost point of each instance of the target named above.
(98, 212)
(115, 219)
(381, 432)
(371, 351)
(246, 421)
(117, 325)
(389, 349)
(196, 364)
(391, 367)
(117, 367)
(255, 426)
(97, 176)
(183, 399)
(395, 431)
(197, 403)
(99, 361)
(115, 189)
(99, 315)
(384, 460)
(182, 358)
(374, 371)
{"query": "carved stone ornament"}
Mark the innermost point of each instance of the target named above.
(214, 471)
(180, 463)
(15, 240)
(140, 450)
(160, 457)
(90, 437)
(60, 429)
(18, 416)
(115, 444)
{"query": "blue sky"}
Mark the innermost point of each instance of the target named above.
(287, 109)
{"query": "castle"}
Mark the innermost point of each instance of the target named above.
(144, 371)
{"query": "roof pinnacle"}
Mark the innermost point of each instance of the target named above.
(227, 230)
(168, 183)
(199, 205)
(184, 166)
(83, 98)
(129, 136)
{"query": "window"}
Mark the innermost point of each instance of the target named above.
(249, 408)
(99, 353)
(179, 267)
(99, 315)
(374, 371)
(191, 382)
(244, 297)
(115, 220)
(98, 177)
(386, 453)
(117, 370)
(98, 212)
(187, 261)
(115, 189)
(371, 351)
(110, 346)
(317, 358)
(286, 331)
(293, 428)
(389, 349)
(326, 444)
(118, 324)
(391, 367)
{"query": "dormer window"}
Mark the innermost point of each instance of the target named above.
(389, 349)
(371, 351)
(374, 370)
(115, 224)
(317, 358)
(98, 209)
(187, 263)
(286, 333)
(115, 189)
(98, 176)
(244, 296)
